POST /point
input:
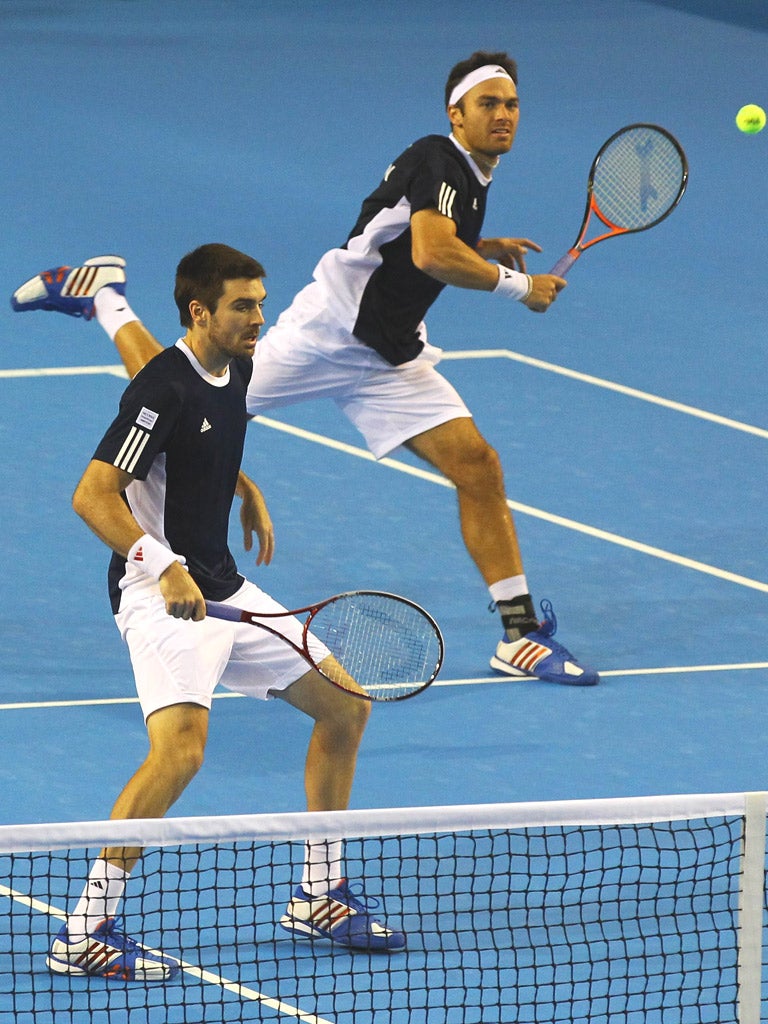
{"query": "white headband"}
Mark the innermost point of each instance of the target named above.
(475, 78)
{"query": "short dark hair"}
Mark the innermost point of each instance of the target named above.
(478, 59)
(202, 274)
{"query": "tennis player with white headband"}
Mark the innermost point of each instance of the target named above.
(356, 334)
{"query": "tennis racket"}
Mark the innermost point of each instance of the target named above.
(636, 180)
(382, 647)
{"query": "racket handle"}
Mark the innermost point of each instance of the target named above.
(217, 610)
(563, 265)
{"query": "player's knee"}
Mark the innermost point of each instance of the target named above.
(357, 714)
(479, 468)
(181, 760)
(351, 718)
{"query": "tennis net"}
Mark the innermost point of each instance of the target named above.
(640, 910)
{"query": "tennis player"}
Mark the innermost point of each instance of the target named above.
(357, 335)
(158, 492)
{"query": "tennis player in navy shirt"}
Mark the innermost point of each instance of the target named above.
(158, 492)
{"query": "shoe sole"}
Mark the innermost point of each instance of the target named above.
(64, 967)
(303, 931)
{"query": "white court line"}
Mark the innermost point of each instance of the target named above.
(570, 524)
(746, 666)
(241, 991)
(536, 513)
(667, 670)
(609, 385)
(65, 371)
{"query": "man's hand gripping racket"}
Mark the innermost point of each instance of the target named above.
(636, 180)
(374, 645)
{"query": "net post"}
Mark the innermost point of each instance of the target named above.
(751, 902)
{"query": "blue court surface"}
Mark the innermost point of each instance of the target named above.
(631, 418)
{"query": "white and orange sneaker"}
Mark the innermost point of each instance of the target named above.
(342, 917)
(108, 953)
(71, 290)
(537, 655)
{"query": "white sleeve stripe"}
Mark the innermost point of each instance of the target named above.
(131, 451)
(445, 199)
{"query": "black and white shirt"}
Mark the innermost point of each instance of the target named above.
(371, 284)
(180, 433)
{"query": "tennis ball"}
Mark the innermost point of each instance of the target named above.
(751, 119)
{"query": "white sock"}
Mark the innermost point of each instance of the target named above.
(101, 898)
(322, 868)
(508, 589)
(112, 310)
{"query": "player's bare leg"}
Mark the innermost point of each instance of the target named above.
(340, 722)
(460, 452)
(324, 906)
(135, 346)
(177, 738)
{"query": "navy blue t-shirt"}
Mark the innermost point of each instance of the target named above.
(180, 433)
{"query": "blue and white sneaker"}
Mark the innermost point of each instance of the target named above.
(342, 917)
(538, 655)
(71, 290)
(109, 954)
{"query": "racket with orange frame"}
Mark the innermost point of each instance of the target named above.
(636, 180)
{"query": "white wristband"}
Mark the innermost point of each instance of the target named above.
(152, 557)
(513, 284)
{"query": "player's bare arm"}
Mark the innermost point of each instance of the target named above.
(438, 251)
(98, 500)
(255, 518)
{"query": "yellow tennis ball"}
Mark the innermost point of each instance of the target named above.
(751, 119)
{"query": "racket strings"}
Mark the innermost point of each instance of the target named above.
(387, 646)
(638, 178)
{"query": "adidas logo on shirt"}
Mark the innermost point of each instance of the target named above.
(205, 426)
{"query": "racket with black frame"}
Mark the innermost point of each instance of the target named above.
(636, 180)
(383, 647)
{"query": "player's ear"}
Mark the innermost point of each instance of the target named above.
(198, 312)
(455, 116)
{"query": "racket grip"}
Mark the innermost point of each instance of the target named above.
(563, 265)
(217, 610)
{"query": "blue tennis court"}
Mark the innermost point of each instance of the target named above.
(630, 418)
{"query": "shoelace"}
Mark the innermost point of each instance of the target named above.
(550, 619)
(549, 628)
(357, 898)
(112, 931)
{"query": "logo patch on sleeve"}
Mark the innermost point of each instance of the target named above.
(147, 418)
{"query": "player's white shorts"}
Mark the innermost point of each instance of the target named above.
(308, 354)
(176, 661)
